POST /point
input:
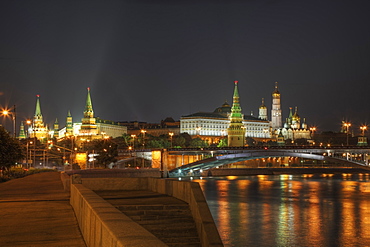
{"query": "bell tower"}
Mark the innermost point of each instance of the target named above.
(276, 113)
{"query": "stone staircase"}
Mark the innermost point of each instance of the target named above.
(167, 218)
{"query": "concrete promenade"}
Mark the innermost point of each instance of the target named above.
(35, 211)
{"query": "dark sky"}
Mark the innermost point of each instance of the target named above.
(148, 60)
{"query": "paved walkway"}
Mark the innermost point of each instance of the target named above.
(35, 211)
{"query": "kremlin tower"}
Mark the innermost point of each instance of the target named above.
(88, 126)
(69, 124)
(276, 114)
(236, 129)
(38, 128)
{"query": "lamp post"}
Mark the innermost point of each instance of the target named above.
(7, 112)
(347, 125)
(171, 135)
(313, 129)
(143, 132)
(363, 129)
(133, 141)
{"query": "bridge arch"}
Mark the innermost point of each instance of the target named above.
(216, 161)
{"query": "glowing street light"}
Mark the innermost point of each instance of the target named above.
(7, 112)
(347, 125)
(133, 142)
(363, 129)
(171, 135)
(143, 132)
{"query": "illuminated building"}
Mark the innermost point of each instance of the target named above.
(91, 128)
(236, 129)
(276, 113)
(38, 129)
(262, 113)
(293, 129)
(212, 126)
(22, 134)
(88, 126)
(56, 128)
(69, 123)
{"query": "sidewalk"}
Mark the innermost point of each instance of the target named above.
(35, 211)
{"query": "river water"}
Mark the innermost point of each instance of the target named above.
(291, 210)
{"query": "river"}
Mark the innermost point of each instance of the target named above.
(291, 210)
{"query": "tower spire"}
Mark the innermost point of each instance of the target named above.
(276, 113)
(38, 129)
(22, 134)
(38, 107)
(263, 111)
(236, 109)
(236, 129)
(88, 126)
(89, 112)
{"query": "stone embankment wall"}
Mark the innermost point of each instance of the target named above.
(189, 192)
(275, 171)
(109, 173)
(101, 224)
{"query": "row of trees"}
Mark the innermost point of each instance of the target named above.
(183, 140)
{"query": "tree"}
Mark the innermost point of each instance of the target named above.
(179, 141)
(10, 149)
(198, 143)
(106, 150)
(222, 143)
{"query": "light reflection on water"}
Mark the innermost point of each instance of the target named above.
(291, 210)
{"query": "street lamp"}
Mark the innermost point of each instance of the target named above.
(347, 125)
(363, 129)
(171, 135)
(312, 129)
(133, 140)
(143, 132)
(7, 112)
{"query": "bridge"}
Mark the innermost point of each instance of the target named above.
(184, 161)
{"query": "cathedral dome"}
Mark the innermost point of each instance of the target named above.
(223, 110)
(276, 93)
(296, 117)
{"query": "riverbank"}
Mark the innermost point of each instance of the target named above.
(35, 211)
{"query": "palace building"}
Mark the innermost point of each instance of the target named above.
(226, 121)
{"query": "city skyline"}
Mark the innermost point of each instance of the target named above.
(146, 61)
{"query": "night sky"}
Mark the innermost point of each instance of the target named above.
(148, 60)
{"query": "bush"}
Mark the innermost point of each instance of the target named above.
(15, 173)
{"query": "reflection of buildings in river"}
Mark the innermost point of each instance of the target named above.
(351, 212)
(364, 214)
(243, 207)
(286, 211)
(224, 210)
(313, 212)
